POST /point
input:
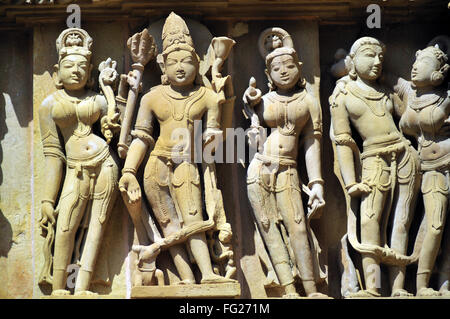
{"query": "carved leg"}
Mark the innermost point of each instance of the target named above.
(372, 206)
(290, 206)
(404, 204)
(158, 194)
(71, 210)
(104, 197)
(186, 183)
(263, 206)
(435, 197)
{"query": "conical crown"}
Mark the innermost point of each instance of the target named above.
(175, 33)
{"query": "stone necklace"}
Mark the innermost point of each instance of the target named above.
(286, 127)
(371, 99)
(178, 114)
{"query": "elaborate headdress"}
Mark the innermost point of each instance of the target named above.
(436, 53)
(176, 35)
(274, 42)
(74, 41)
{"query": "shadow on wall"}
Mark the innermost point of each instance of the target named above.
(6, 232)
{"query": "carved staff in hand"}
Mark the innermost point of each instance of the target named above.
(143, 49)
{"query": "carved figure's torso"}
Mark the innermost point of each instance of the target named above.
(427, 119)
(288, 116)
(175, 112)
(75, 118)
(370, 114)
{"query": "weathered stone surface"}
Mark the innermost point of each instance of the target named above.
(230, 290)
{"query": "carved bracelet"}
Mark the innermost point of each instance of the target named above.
(316, 181)
(129, 170)
(48, 201)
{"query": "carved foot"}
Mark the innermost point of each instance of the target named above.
(215, 279)
(60, 292)
(186, 282)
(292, 295)
(401, 293)
(85, 293)
(271, 279)
(427, 292)
(318, 295)
(364, 294)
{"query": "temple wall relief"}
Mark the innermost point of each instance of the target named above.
(126, 265)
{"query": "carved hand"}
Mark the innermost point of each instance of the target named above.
(129, 184)
(359, 189)
(47, 216)
(316, 200)
(252, 94)
(339, 89)
(210, 134)
(254, 137)
(109, 126)
(142, 47)
(108, 73)
(133, 80)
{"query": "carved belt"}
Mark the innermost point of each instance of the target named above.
(384, 150)
(439, 164)
(272, 189)
(79, 165)
(280, 160)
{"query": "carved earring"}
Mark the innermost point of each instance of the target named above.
(91, 81)
(270, 83)
(164, 79)
(56, 80)
(353, 75)
(436, 78)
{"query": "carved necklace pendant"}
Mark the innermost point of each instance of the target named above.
(181, 105)
(285, 125)
(371, 99)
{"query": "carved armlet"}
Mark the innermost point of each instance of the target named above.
(144, 135)
(344, 139)
(53, 150)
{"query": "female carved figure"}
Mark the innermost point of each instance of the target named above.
(272, 180)
(89, 187)
(389, 175)
(171, 177)
(426, 117)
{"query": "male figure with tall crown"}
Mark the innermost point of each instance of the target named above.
(171, 178)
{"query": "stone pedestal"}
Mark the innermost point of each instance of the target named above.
(228, 290)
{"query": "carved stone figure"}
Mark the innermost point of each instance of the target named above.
(383, 179)
(273, 184)
(191, 90)
(89, 187)
(426, 117)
